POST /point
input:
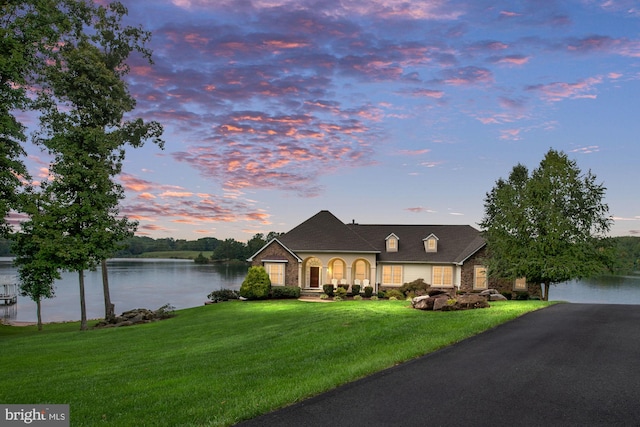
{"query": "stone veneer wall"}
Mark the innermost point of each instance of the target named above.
(276, 251)
(501, 285)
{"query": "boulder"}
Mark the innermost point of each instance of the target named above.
(423, 302)
(137, 316)
(469, 301)
(441, 301)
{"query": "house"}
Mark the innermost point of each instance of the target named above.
(324, 250)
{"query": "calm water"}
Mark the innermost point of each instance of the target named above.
(147, 283)
(133, 283)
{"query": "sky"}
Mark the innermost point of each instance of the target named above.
(381, 111)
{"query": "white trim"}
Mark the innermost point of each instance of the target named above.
(275, 239)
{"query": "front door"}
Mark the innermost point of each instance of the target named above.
(314, 277)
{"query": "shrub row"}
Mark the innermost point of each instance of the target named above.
(283, 292)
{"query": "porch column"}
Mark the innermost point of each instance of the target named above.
(374, 278)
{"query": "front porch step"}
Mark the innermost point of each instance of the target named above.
(310, 292)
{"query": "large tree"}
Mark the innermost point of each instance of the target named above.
(36, 253)
(73, 52)
(29, 29)
(547, 226)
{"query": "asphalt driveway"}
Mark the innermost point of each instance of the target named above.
(566, 365)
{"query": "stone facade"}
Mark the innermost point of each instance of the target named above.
(274, 252)
(503, 286)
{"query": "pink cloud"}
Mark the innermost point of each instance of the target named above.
(586, 150)
(605, 44)
(509, 14)
(414, 152)
(511, 134)
(558, 91)
(420, 209)
(467, 76)
(429, 93)
(511, 59)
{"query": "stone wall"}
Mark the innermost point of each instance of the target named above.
(275, 251)
(501, 285)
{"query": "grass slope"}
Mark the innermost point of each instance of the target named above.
(223, 363)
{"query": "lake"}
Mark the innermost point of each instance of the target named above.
(151, 283)
(133, 283)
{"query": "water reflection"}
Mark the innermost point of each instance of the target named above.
(133, 283)
(599, 290)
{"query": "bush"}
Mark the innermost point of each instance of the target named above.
(355, 289)
(256, 285)
(418, 287)
(201, 259)
(165, 312)
(374, 298)
(357, 297)
(394, 293)
(522, 296)
(223, 295)
(328, 289)
(340, 292)
(380, 294)
(282, 292)
(324, 296)
(368, 291)
(345, 287)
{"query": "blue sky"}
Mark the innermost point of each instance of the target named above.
(381, 111)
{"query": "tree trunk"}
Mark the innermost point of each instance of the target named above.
(109, 308)
(39, 313)
(83, 306)
(545, 291)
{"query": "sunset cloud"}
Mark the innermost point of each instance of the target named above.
(559, 91)
(269, 103)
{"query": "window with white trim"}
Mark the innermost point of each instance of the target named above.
(392, 243)
(275, 270)
(442, 276)
(360, 270)
(480, 277)
(431, 244)
(520, 284)
(337, 267)
(392, 275)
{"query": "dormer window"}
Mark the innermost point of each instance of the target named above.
(431, 243)
(392, 243)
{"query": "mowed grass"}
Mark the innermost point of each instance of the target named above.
(220, 364)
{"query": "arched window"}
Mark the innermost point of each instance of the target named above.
(361, 270)
(337, 269)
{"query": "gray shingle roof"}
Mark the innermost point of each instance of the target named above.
(455, 242)
(324, 232)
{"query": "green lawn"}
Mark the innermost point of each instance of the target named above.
(223, 363)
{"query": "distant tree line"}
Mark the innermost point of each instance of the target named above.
(223, 250)
(627, 248)
(627, 254)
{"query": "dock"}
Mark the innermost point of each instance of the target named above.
(9, 293)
